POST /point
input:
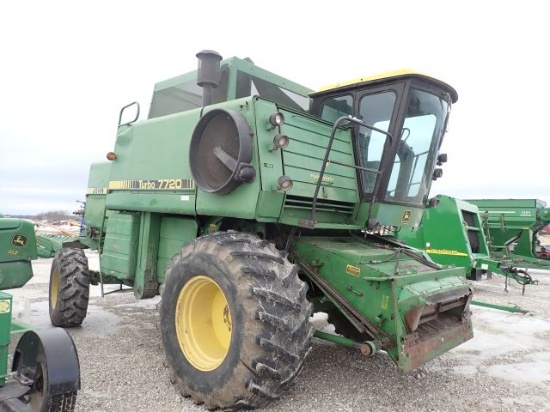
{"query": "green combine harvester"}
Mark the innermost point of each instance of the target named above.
(249, 202)
(45, 371)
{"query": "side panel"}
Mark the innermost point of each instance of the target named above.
(174, 233)
(301, 161)
(151, 171)
(145, 283)
(119, 255)
(450, 233)
(5, 334)
(98, 181)
(17, 249)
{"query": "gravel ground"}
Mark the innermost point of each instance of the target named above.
(505, 367)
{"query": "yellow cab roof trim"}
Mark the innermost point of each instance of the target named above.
(386, 76)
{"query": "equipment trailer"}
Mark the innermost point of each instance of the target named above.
(249, 202)
(512, 227)
(45, 372)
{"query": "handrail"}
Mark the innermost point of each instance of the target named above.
(310, 224)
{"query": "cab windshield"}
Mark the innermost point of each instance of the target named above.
(417, 144)
(419, 141)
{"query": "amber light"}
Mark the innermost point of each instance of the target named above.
(111, 156)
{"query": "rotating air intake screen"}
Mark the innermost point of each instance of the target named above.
(221, 152)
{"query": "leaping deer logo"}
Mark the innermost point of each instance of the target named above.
(19, 240)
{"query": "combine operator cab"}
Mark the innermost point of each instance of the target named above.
(398, 123)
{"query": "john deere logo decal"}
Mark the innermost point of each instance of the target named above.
(406, 217)
(19, 240)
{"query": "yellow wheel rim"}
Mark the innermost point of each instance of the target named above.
(54, 288)
(203, 323)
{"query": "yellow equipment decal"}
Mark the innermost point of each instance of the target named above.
(326, 179)
(353, 270)
(446, 252)
(4, 306)
(97, 191)
(406, 217)
(152, 184)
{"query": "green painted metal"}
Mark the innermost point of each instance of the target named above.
(394, 291)
(512, 309)
(98, 181)
(174, 233)
(5, 333)
(338, 339)
(17, 249)
(48, 245)
(368, 348)
(120, 255)
(452, 233)
(512, 227)
(349, 176)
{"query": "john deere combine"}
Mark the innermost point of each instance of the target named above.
(45, 372)
(249, 202)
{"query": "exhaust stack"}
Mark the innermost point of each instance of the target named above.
(208, 73)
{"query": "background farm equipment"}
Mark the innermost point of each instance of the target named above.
(50, 237)
(513, 228)
(452, 233)
(249, 202)
(45, 372)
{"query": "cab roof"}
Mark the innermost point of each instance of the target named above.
(385, 78)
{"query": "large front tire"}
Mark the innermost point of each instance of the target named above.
(234, 321)
(69, 288)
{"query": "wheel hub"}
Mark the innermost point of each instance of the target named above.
(203, 323)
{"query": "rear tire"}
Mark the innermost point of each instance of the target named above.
(69, 288)
(234, 321)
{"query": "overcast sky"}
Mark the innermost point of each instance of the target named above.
(67, 67)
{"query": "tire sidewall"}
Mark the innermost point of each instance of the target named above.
(41, 364)
(201, 264)
(55, 271)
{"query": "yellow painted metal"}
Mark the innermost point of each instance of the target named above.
(54, 288)
(203, 323)
(390, 75)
